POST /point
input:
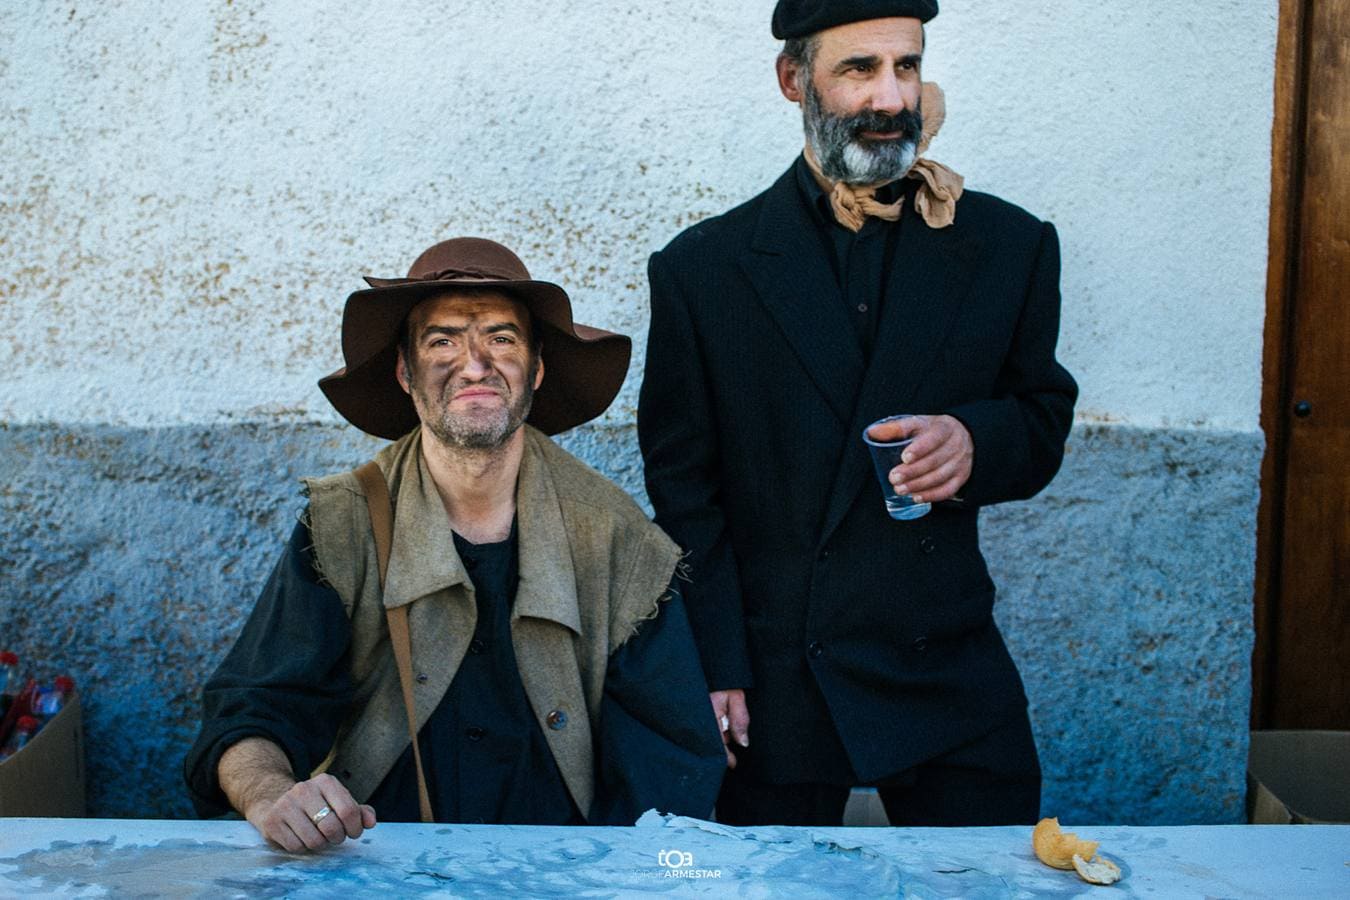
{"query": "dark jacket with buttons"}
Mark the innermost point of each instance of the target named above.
(867, 645)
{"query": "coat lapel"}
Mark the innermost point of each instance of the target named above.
(548, 583)
(929, 278)
(546, 625)
(802, 296)
(422, 556)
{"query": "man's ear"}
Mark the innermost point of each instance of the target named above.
(401, 372)
(789, 80)
(539, 371)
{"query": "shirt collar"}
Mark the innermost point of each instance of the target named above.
(819, 204)
(423, 558)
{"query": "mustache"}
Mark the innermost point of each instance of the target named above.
(907, 122)
(493, 381)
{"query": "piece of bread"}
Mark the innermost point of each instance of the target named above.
(1099, 870)
(1057, 848)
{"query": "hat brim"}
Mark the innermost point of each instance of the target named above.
(584, 367)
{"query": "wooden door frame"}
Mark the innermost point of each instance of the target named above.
(1288, 135)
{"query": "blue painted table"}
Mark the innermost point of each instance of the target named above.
(108, 857)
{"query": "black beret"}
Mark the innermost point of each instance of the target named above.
(799, 18)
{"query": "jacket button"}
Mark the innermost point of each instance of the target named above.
(927, 545)
(422, 678)
(823, 555)
(815, 650)
(557, 720)
(475, 646)
(474, 733)
(920, 644)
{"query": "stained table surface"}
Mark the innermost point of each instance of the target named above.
(662, 855)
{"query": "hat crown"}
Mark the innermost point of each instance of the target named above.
(800, 18)
(468, 258)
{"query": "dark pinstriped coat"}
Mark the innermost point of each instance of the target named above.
(752, 406)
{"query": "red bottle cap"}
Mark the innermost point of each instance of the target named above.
(8, 658)
(65, 684)
(26, 723)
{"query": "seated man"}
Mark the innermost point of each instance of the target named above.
(551, 673)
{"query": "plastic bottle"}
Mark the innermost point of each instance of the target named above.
(9, 680)
(51, 697)
(24, 730)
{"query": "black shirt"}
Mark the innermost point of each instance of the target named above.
(485, 758)
(861, 260)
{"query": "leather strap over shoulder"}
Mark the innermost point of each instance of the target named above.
(381, 508)
(376, 490)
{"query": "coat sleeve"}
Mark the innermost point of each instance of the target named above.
(678, 437)
(285, 679)
(1019, 431)
(659, 747)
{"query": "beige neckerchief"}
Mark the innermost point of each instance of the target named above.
(935, 199)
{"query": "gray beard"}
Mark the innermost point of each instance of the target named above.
(480, 433)
(844, 157)
(476, 434)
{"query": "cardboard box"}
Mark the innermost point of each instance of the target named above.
(46, 777)
(1298, 777)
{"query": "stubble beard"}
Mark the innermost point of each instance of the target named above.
(844, 155)
(479, 430)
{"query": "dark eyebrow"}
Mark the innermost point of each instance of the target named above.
(852, 61)
(450, 330)
(872, 60)
(457, 330)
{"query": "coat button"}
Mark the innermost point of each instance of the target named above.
(920, 644)
(927, 545)
(422, 678)
(557, 720)
(474, 733)
(823, 555)
(815, 650)
(475, 646)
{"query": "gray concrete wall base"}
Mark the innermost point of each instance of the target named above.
(131, 557)
(1126, 597)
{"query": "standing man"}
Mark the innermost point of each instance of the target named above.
(843, 647)
(546, 659)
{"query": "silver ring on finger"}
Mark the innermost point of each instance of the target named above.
(320, 815)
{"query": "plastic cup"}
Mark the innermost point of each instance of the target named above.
(886, 456)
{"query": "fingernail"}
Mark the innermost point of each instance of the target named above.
(916, 498)
(904, 457)
(901, 489)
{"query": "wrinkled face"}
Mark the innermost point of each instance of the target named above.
(470, 366)
(860, 100)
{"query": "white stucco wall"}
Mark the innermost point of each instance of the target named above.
(188, 193)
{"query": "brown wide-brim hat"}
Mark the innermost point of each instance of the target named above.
(584, 367)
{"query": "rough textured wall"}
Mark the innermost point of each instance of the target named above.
(187, 197)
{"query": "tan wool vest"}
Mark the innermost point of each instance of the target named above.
(592, 567)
